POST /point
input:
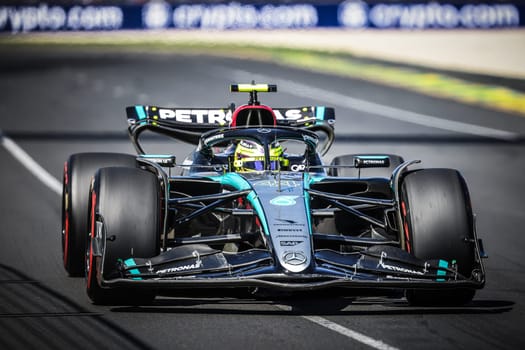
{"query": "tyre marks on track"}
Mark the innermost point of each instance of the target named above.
(34, 316)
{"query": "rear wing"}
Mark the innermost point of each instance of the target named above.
(187, 124)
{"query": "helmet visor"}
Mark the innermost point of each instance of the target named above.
(258, 165)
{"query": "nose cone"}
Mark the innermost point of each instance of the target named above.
(286, 213)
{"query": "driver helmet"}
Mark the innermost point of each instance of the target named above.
(249, 156)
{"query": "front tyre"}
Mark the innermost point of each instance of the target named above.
(78, 171)
(124, 224)
(438, 221)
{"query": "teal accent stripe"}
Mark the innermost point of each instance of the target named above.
(319, 112)
(443, 264)
(313, 179)
(239, 183)
(232, 179)
(141, 113)
(129, 263)
(306, 182)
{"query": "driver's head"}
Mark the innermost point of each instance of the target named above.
(249, 156)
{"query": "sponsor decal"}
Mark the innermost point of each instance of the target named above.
(395, 268)
(288, 222)
(297, 177)
(200, 116)
(290, 114)
(369, 162)
(290, 225)
(196, 265)
(215, 116)
(214, 138)
(358, 14)
(373, 161)
(275, 183)
(292, 236)
(239, 16)
(353, 14)
(298, 167)
(156, 14)
(294, 258)
(164, 160)
(289, 243)
(21, 19)
(284, 201)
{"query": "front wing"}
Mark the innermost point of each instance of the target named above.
(199, 266)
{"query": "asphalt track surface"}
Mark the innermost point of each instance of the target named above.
(53, 104)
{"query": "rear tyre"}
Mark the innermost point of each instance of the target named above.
(436, 209)
(349, 160)
(125, 207)
(78, 171)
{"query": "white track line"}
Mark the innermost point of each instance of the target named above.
(347, 332)
(374, 343)
(345, 101)
(30, 164)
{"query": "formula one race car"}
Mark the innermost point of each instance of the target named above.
(255, 207)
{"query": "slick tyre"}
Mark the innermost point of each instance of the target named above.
(124, 223)
(438, 221)
(349, 160)
(78, 171)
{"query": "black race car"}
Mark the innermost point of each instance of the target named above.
(255, 207)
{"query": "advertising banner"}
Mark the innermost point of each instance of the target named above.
(159, 14)
(431, 15)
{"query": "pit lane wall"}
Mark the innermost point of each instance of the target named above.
(355, 14)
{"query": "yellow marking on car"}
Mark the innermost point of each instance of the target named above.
(250, 87)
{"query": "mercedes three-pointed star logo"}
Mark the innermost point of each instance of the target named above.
(294, 258)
